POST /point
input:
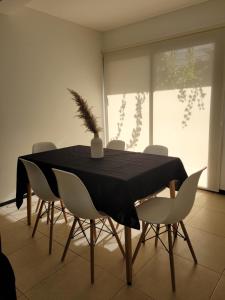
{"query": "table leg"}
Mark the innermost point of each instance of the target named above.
(128, 252)
(172, 195)
(28, 204)
(172, 188)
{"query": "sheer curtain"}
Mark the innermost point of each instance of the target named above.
(170, 93)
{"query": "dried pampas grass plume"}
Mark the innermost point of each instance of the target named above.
(85, 113)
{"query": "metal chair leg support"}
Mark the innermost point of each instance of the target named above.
(63, 210)
(117, 226)
(38, 218)
(38, 205)
(172, 270)
(188, 241)
(116, 236)
(69, 239)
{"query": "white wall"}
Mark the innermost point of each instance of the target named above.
(191, 19)
(40, 57)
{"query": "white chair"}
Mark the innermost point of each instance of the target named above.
(116, 145)
(78, 200)
(41, 147)
(169, 211)
(156, 149)
(41, 188)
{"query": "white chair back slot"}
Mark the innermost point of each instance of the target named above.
(185, 198)
(156, 149)
(75, 195)
(116, 145)
(38, 181)
(43, 146)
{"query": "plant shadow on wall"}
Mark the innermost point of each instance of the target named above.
(140, 99)
(186, 71)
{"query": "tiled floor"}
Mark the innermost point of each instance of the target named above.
(43, 276)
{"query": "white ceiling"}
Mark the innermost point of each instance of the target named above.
(103, 15)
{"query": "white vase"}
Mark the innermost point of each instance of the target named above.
(97, 147)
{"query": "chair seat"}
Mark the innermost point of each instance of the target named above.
(155, 210)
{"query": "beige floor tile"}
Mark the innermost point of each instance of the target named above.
(3, 211)
(73, 282)
(194, 211)
(215, 201)
(191, 282)
(6, 220)
(131, 293)
(209, 249)
(210, 221)
(20, 295)
(219, 292)
(17, 235)
(23, 297)
(32, 263)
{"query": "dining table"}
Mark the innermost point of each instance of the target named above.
(115, 182)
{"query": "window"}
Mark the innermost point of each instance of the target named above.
(169, 93)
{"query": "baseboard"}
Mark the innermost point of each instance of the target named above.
(7, 202)
(12, 200)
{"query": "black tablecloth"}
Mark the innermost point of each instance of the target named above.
(114, 182)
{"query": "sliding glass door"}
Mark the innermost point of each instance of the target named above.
(168, 94)
(181, 104)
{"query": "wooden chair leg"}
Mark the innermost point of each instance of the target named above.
(92, 245)
(172, 270)
(116, 236)
(188, 242)
(157, 234)
(69, 239)
(143, 226)
(175, 229)
(139, 242)
(51, 227)
(63, 210)
(38, 205)
(48, 212)
(117, 225)
(94, 232)
(38, 218)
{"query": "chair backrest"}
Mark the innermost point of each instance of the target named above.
(38, 181)
(75, 195)
(185, 198)
(116, 145)
(156, 149)
(43, 146)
